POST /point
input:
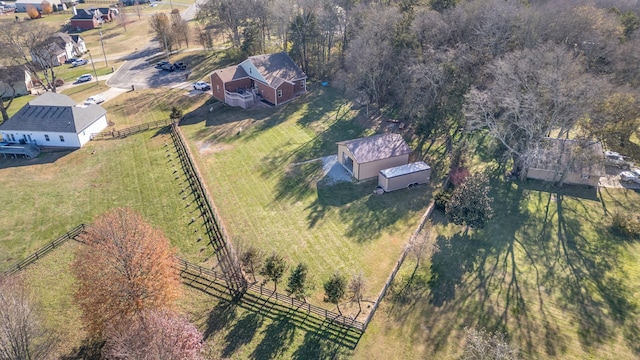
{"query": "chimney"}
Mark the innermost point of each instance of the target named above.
(75, 12)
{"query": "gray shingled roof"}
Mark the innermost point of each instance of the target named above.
(53, 112)
(277, 68)
(231, 73)
(376, 147)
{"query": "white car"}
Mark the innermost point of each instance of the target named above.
(201, 85)
(84, 78)
(630, 176)
(79, 62)
(95, 99)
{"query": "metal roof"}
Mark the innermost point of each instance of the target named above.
(53, 112)
(405, 169)
(376, 147)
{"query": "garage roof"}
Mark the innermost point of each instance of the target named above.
(376, 147)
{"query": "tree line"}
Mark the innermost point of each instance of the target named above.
(520, 70)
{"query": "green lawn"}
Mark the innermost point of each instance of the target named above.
(59, 190)
(264, 199)
(546, 271)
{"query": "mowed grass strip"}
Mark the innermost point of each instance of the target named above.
(59, 190)
(266, 199)
(547, 271)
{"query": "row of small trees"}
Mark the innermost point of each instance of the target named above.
(300, 282)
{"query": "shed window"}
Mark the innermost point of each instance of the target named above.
(46, 137)
(61, 138)
(279, 93)
(302, 84)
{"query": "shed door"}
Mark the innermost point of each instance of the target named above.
(347, 162)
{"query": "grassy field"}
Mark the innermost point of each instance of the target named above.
(547, 271)
(267, 199)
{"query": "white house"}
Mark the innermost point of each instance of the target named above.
(60, 48)
(21, 5)
(54, 120)
(15, 81)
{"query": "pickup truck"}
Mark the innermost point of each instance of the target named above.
(615, 159)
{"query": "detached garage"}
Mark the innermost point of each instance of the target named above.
(365, 157)
(404, 176)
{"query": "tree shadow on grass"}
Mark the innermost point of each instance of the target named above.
(242, 333)
(316, 346)
(592, 284)
(90, 349)
(278, 336)
(219, 317)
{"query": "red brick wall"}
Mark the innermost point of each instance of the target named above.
(84, 24)
(217, 87)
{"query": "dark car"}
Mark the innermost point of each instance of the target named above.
(168, 67)
(161, 64)
(180, 65)
(69, 61)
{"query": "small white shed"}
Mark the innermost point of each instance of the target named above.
(404, 176)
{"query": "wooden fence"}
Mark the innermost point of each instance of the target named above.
(71, 234)
(118, 134)
(223, 249)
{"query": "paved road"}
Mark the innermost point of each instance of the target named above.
(138, 69)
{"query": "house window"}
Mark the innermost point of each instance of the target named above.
(61, 138)
(46, 137)
(218, 88)
(585, 176)
(279, 93)
(302, 84)
(13, 138)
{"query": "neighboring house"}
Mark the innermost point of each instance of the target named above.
(61, 48)
(107, 14)
(365, 157)
(567, 161)
(54, 120)
(85, 19)
(19, 81)
(272, 78)
(21, 5)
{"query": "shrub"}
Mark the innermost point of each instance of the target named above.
(441, 199)
(625, 224)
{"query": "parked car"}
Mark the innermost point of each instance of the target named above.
(168, 67)
(95, 99)
(161, 64)
(630, 176)
(201, 85)
(615, 159)
(180, 65)
(79, 62)
(71, 60)
(84, 78)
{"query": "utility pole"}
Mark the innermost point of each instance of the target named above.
(103, 53)
(94, 67)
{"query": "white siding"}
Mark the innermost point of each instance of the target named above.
(99, 125)
(70, 139)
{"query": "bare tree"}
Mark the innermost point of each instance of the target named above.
(251, 259)
(483, 345)
(531, 95)
(155, 334)
(357, 287)
(421, 245)
(123, 17)
(179, 29)
(21, 335)
(126, 268)
(10, 79)
(161, 25)
(138, 9)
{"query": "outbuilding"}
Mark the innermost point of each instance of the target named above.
(404, 176)
(54, 120)
(365, 157)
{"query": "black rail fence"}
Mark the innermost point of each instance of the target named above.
(119, 134)
(223, 249)
(71, 234)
